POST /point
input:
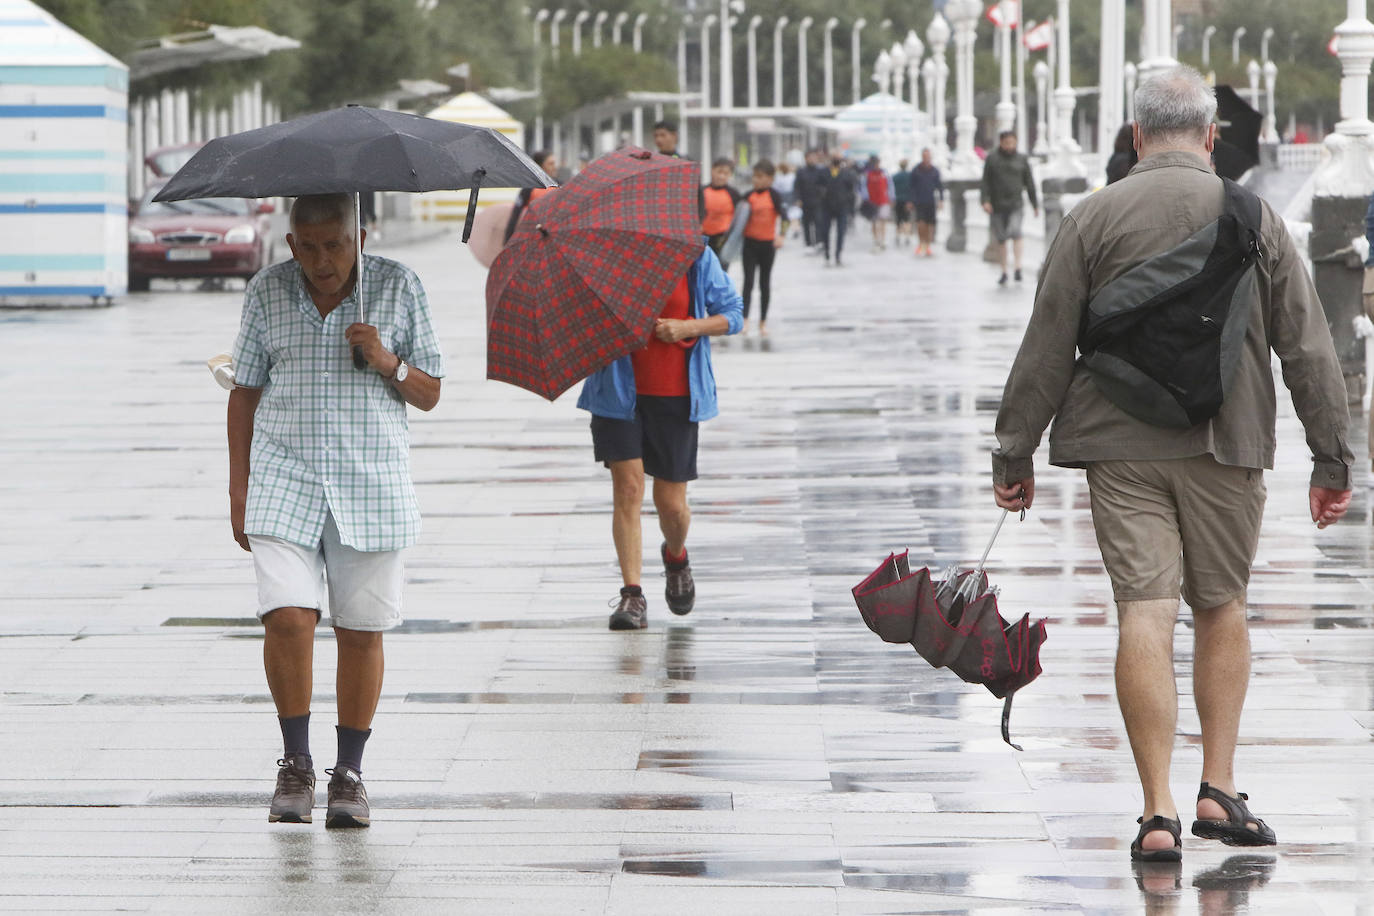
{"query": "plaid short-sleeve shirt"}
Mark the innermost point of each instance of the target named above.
(328, 438)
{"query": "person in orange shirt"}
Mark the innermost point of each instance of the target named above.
(761, 240)
(716, 202)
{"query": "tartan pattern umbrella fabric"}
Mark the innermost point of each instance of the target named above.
(587, 271)
(970, 638)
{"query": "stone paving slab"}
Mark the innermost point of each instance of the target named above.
(765, 755)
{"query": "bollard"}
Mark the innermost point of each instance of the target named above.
(958, 212)
(1339, 276)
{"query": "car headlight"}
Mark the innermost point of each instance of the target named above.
(240, 235)
(140, 236)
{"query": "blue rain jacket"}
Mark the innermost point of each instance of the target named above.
(610, 392)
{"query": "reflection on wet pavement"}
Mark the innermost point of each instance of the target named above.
(766, 754)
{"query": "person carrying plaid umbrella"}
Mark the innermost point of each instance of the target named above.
(645, 409)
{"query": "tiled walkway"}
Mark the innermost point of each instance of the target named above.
(765, 755)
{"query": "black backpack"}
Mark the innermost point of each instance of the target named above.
(1163, 340)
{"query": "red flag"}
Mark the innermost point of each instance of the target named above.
(996, 18)
(1040, 37)
(1333, 44)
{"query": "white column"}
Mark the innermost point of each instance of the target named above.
(801, 60)
(727, 59)
(1042, 77)
(964, 13)
(754, 61)
(882, 73)
(829, 61)
(682, 85)
(1006, 109)
(777, 60)
(1066, 162)
(914, 48)
(1051, 120)
(855, 57)
(1111, 58)
(183, 110)
(137, 151)
(1252, 73)
(166, 119)
(930, 75)
(706, 24)
(637, 127)
(1130, 73)
(937, 34)
(898, 56)
(1349, 170)
(1158, 37)
(1271, 130)
(1022, 128)
(258, 120)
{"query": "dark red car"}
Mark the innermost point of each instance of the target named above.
(211, 237)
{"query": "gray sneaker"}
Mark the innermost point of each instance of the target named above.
(347, 799)
(295, 794)
(681, 591)
(631, 611)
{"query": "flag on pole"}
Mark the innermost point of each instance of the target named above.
(1333, 45)
(1040, 37)
(1011, 19)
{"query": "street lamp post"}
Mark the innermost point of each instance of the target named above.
(1264, 45)
(580, 18)
(1156, 54)
(639, 31)
(914, 49)
(855, 64)
(964, 17)
(802, 29)
(937, 34)
(706, 24)
(898, 56)
(597, 23)
(829, 61)
(1271, 130)
(1236, 36)
(1022, 128)
(682, 81)
(1066, 148)
(1005, 110)
(777, 60)
(1041, 72)
(1207, 34)
(1252, 73)
(882, 72)
(539, 18)
(754, 24)
(617, 24)
(930, 74)
(1130, 72)
(1111, 57)
(558, 16)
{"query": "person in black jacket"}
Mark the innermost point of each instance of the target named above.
(808, 192)
(1123, 157)
(839, 190)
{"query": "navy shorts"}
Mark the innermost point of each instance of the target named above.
(661, 434)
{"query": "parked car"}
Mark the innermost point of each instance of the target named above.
(210, 237)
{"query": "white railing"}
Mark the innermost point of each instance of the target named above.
(1301, 157)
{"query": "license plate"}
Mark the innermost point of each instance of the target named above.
(188, 254)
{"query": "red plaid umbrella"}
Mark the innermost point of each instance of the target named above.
(586, 273)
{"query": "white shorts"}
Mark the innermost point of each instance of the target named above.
(364, 587)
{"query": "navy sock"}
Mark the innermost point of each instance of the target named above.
(351, 741)
(295, 734)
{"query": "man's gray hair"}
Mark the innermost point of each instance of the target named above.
(313, 209)
(1175, 104)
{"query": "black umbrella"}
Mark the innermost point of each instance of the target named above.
(352, 150)
(1237, 148)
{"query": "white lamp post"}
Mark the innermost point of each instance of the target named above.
(580, 18)
(1207, 34)
(1022, 128)
(1264, 45)
(1252, 73)
(1158, 37)
(1349, 170)
(1041, 72)
(754, 61)
(1006, 109)
(829, 61)
(617, 24)
(1129, 71)
(929, 75)
(1066, 162)
(558, 16)
(777, 60)
(914, 49)
(802, 29)
(1178, 31)
(597, 23)
(727, 57)
(682, 81)
(963, 15)
(539, 18)
(1111, 57)
(1236, 36)
(882, 72)
(639, 31)
(937, 34)
(706, 151)
(1271, 130)
(855, 65)
(898, 55)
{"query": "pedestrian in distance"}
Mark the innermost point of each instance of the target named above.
(1176, 509)
(762, 239)
(716, 202)
(785, 183)
(319, 479)
(645, 410)
(1006, 174)
(549, 163)
(876, 191)
(839, 192)
(665, 138)
(928, 198)
(902, 203)
(1123, 157)
(809, 188)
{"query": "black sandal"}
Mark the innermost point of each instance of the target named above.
(1236, 829)
(1158, 822)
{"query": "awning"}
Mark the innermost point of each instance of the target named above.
(217, 44)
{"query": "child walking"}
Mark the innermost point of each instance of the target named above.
(761, 240)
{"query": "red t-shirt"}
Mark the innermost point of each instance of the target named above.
(661, 368)
(720, 210)
(877, 187)
(763, 216)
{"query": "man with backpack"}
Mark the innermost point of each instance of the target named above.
(1172, 415)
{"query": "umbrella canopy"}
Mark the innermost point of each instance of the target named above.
(354, 149)
(586, 274)
(489, 232)
(953, 623)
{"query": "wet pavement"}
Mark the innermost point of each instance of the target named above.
(766, 754)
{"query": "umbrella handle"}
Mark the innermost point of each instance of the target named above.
(477, 177)
(359, 361)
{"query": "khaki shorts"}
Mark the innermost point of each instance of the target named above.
(360, 589)
(1188, 520)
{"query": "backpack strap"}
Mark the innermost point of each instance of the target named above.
(1244, 206)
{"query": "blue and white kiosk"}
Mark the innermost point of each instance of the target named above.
(63, 173)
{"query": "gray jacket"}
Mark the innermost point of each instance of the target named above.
(1165, 199)
(1005, 175)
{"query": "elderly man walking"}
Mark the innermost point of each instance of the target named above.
(319, 479)
(1175, 506)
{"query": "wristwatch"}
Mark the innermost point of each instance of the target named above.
(402, 370)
